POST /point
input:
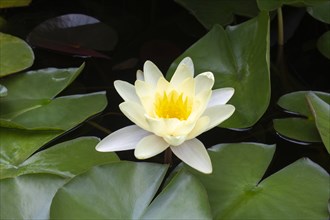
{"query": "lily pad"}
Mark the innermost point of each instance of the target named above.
(66, 159)
(269, 5)
(321, 113)
(28, 196)
(320, 12)
(237, 189)
(16, 55)
(125, 190)
(238, 62)
(74, 34)
(323, 44)
(299, 128)
(222, 12)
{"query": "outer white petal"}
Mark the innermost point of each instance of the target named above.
(218, 114)
(150, 146)
(184, 70)
(135, 113)
(122, 139)
(126, 91)
(175, 140)
(139, 75)
(221, 96)
(146, 93)
(194, 154)
(200, 126)
(151, 72)
(204, 81)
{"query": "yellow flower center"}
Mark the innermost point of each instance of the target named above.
(172, 105)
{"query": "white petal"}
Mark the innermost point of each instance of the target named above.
(139, 75)
(150, 146)
(221, 96)
(146, 93)
(204, 81)
(218, 114)
(175, 140)
(200, 126)
(184, 70)
(135, 113)
(126, 91)
(122, 139)
(151, 73)
(194, 154)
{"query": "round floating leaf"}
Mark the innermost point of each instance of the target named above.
(323, 44)
(66, 159)
(16, 55)
(236, 189)
(125, 190)
(269, 5)
(74, 34)
(321, 12)
(3, 91)
(14, 3)
(28, 196)
(321, 113)
(238, 62)
(301, 129)
(219, 11)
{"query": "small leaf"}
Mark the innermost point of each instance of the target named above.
(74, 34)
(28, 196)
(66, 159)
(16, 55)
(236, 189)
(238, 62)
(321, 113)
(222, 12)
(323, 44)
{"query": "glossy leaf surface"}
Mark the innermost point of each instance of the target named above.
(16, 54)
(321, 11)
(3, 91)
(238, 62)
(28, 196)
(321, 113)
(237, 190)
(66, 159)
(270, 5)
(221, 12)
(323, 44)
(74, 34)
(299, 128)
(124, 190)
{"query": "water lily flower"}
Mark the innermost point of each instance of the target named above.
(169, 114)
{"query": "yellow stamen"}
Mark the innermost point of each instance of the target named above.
(173, 105)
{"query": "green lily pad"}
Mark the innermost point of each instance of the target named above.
(238, 62)
(125, 190)
(323, 44)
(66, 159)
(320, 11)
(14, 3)
(237, 190)
(16, 55)
(299, 128)
(321, 113)
(28, 196)
(221, 12)
(3, 91)
(269, 5)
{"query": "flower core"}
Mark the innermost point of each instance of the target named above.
(172, 105)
